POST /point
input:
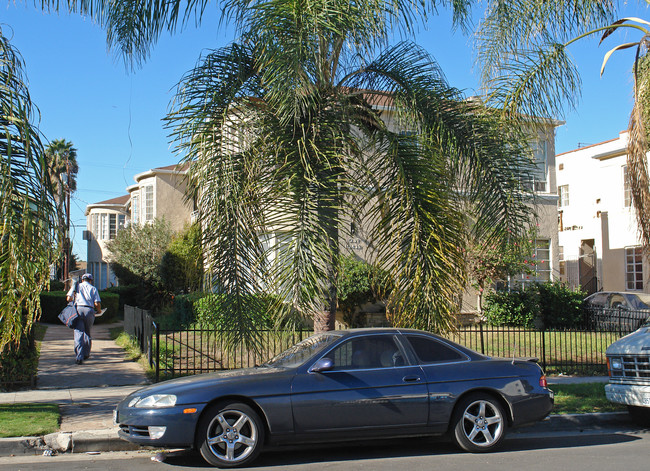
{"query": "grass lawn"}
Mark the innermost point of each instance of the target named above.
(582, 398)
(28, 420)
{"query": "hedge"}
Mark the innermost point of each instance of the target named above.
(53, 302)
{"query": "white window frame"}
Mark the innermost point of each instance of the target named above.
(563, 193)
(634, 268)
(148, 203)
(627, 191)
(135, 209)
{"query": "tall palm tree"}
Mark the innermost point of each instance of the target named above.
(26, 209)
(292, 132)
(62, 168)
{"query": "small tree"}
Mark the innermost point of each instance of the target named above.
(182, 264)
(136, 256)
(488, 263)
(358, 283)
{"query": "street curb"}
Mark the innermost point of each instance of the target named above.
(61, 442)
(611, 421)
(108, 440)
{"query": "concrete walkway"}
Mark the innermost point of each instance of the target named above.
(87, 393)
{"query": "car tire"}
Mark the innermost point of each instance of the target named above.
(479, 423)
(639, 415)
(230, 434)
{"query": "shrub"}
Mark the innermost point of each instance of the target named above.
(554, 304)
(212, 310)
(512, 308)
(358, 283)
(128, 294)
(561, 306)
(17, 367)
(181, 267)
(182, 313)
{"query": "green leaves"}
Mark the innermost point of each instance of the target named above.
(26, 209)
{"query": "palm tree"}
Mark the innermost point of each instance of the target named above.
(292, 135)
(62, 168)
(26, 209)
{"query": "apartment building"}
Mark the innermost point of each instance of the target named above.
(598, 234)
(159, 192)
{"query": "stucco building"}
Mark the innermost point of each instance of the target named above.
(157, 193)
(598, 234)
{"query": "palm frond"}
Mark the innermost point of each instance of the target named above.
(26, 209)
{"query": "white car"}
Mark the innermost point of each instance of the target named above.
(628, 363)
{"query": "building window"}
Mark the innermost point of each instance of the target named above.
(634, 268)
(627, 192)
(112, 226)
(540, 160)
(103, 226)
(148, 203)
(563, 192)
(135, 209)
(94, 225)
(542, 270)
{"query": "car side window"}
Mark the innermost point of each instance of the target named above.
(432, 351)
(377, 351)
(617, 301)
(598, 300)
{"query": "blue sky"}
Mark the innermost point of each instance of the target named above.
(113, 117)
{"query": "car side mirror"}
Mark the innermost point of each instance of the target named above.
(324, 364)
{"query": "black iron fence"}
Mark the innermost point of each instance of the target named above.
(578, 350)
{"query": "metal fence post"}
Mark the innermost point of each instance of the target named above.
(544, 348)
(480, 325)
(157, 351)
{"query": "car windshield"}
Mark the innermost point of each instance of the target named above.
(640, 301)
(301, 352)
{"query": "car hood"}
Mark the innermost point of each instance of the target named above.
(193, 388)
(638, 342)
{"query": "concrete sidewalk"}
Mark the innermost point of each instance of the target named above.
(86, 394)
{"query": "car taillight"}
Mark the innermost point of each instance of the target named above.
(542, 381)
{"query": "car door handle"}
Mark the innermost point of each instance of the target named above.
(411, 379)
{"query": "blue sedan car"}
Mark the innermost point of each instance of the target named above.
(337, 386)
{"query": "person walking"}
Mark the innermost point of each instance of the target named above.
(86, 299)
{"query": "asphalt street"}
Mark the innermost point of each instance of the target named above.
(577, 451)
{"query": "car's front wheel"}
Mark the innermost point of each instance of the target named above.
(479, 423)
(230, 434)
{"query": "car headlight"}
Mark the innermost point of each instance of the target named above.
(616, 364)
(153, 401)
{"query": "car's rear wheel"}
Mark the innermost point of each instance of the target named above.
(479, 423)
(230, 434)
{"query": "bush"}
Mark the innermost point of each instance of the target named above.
(358, 283)
(56, 285)
(182, 313)
(128, 294)
(561, 306)
(17, 367)
(212, 311)
(553, 304)
(512, 308)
